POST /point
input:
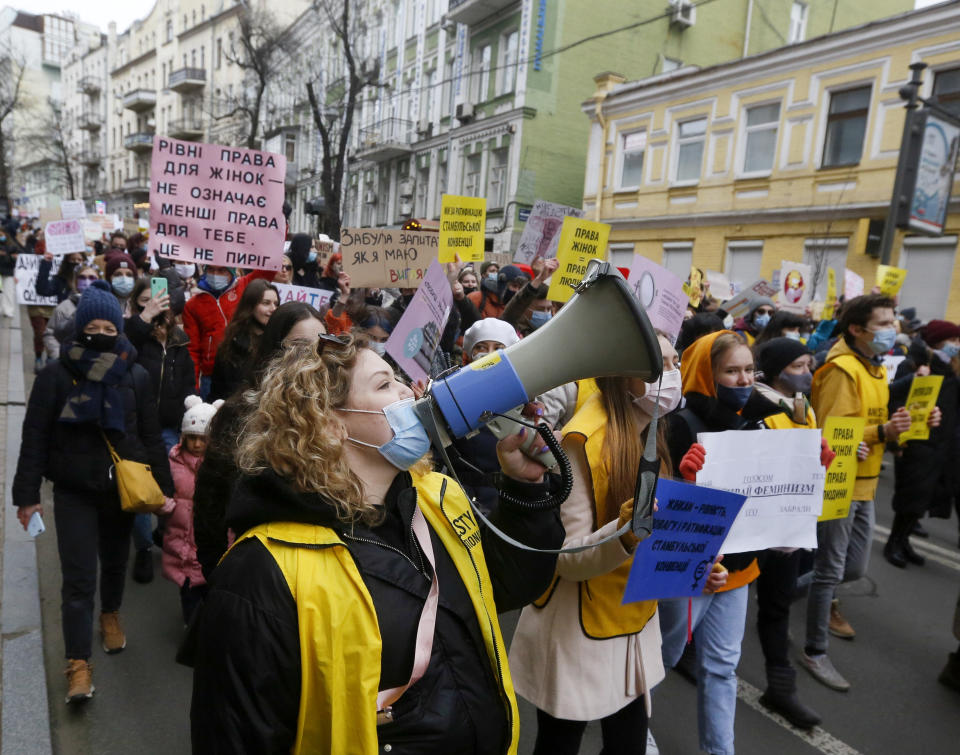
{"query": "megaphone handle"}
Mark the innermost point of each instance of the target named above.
(566, 477)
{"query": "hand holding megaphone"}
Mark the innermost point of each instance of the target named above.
(517, 463)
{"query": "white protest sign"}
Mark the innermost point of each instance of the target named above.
(780, 472)
(660, 293)
(65, 236)
(720, 287)
(852, 285)
(541, 234)
(315, 297)
(739, 305)
(796, 287)
(891, 362)
(25, 276)
(72, 209)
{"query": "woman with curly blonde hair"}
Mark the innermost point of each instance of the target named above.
(358, 608)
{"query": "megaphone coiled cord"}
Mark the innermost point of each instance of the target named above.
(553, 500)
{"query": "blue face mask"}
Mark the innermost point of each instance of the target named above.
(218, 281)
(761, 321)
(883, 340)
(410, 441)
(736, 397)
(493, 277)
(122, 286)
(951, 350)
(312, 256)
(539, 319)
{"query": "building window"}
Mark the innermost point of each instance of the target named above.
(423, 191)
(798, 23)
(509, 46)
(219, 57)
(290, 148)
(482, 73)
(169, 31)
(670, 64)
(471, 175)
(430, 96)
(678, 258)
(929, 262)
(497, 179)
(441, 187)
(743, 263)
(690, 138)
(632, 147)
(822, 254)
(946, 88)
(760, 138)
(846, 126)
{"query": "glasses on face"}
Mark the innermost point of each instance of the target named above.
(87, 277)
(286, 268)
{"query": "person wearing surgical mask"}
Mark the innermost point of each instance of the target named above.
(205, 318)
(762, 310)
(781, 325)
(378, 326)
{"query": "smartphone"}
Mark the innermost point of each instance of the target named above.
(35, 525)
(158, 287)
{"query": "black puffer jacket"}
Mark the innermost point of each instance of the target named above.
(74, 456)
(455, 708)
(169, 365)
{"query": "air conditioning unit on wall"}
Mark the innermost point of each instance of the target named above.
(684, 13)
(465, 112)
(406, 187)
(370, 197)
(406, 208)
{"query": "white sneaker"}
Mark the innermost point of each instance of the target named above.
(652, 748)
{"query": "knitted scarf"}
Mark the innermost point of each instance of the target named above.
(95, 396)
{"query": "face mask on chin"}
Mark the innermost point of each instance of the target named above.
(410, 441)
(734, 397)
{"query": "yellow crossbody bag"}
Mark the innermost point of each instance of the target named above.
(139, 492)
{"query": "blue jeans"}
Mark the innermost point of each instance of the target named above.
(718, 622)
(143, 523)
(205, 382)
(171, 436)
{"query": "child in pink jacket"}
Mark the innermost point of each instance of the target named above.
(179, 562)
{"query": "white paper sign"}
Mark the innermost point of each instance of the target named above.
(72, 209)
(780, 472)
(796, 287)
(315, 297)
(25, 275)
(65, 236)
(891, 362)
(541, 234)
(852, 285)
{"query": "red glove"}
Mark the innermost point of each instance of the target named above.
(826, 455)
(692, 462)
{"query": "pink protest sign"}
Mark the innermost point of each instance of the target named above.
(217, 205)
(64, 236)
(660, 293)
(416, 337)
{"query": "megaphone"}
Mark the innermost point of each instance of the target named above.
(602, 331)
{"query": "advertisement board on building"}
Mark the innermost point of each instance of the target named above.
(935, 169)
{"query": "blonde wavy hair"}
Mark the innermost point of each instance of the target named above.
(292, 427)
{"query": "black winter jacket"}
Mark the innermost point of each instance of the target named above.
(229, 372)
(51, 285)
(8, 260)
(74, 456)
(170, 367)
(247, 676)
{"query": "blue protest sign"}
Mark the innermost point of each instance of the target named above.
(689, 527)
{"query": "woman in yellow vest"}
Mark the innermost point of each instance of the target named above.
(579, 654)
(357, 610)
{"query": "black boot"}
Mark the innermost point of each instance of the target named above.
(781, 697)
(912, 556)
(893, 551)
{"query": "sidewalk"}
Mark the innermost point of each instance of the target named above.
(25, 715)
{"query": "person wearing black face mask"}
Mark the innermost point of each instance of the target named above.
(95, 392)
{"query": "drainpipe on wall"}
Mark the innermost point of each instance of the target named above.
(605, 82)
(746, 31)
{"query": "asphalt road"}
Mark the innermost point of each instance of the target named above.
(902, 618)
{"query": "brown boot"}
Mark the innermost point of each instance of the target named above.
(79, 681)
(839, 626)
(114, 640)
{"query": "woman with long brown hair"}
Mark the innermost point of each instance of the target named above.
(259, 301)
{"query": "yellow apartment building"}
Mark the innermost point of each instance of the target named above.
(785, 155)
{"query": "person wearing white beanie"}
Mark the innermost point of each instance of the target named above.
(486, 336)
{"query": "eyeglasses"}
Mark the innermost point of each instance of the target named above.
(286, 267)
(87, 277)
(325, 339)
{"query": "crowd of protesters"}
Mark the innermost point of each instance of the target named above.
(339, 594)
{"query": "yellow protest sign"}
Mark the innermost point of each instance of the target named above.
(580, 241)
(462, 224)
(694, 289)
(920, 402)
(890, 279)
(843, 434)
(831, 302)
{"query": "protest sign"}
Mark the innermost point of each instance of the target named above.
(65, 236)
(72, 209)
(720, 286)
(660, 293)
(92, 231)
(130, 226)
(693, 288)
(217, 205)
(416, 337)
(831, 303)
(852, 285)
(580, 241)
(924, 391)
(377, 257)
(541, 234)
(25, 278)
(890, 279)
(796, 286)
(780, 472)
(843, 434)
(100, 207)
(891, 362)
(48, 215)
(462, 224)
(315, 297)
(688, 529)
(739, 305)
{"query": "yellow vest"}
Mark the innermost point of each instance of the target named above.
(585, 389)
(784, 421)
(874, 394)
(602, 612)
(340, 642)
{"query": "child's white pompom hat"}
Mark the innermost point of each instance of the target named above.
(196, 420)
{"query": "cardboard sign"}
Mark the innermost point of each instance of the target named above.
(541, 235)
(25, 277)
(780, 473)
(739, 305)
(693, 288)
(48, 215)
(720, 286)
(315, 297)
(65, 237)
(217, 205)
(416, 337)
(830, 304)
(924, 391)
(852, 285)
(890, 279)
(462, 224)
(689, 527)
(380, 257)
(796, 287)
(580, 241)
(660, 293)
(72, 209)
(843, 434)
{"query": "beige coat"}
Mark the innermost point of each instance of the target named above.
(554, 664)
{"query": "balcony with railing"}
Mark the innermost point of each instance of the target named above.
(88, 85)
(186, 128)
(187, 80)
(136, 185)
(385, 140)
(472, 11)
(90, 157)
(139, 100)
(142, 141)
(89, 121)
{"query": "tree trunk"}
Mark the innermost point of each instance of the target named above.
(4, 196)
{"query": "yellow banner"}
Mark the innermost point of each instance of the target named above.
(462, 224)
(580, 241)
(920, 402)
(843, 435)
(890, 279)
(694, 289)
(831, 301)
